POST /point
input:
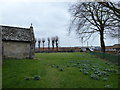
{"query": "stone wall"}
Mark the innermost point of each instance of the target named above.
(0, 45)
(17, 50)
(0, 58)
(32, 43)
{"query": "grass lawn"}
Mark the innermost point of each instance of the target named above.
(60, 70)
(0, 76)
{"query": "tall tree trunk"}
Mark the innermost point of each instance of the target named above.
(102, 41)
(48, 44)
(53, 45)
(39, 45)
(43, 46)
(57, 45)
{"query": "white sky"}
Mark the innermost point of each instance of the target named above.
(49, 19)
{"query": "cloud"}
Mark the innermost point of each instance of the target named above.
(49, 19)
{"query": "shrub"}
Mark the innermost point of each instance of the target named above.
(37, 77)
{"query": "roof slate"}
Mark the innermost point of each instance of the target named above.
(16, 33)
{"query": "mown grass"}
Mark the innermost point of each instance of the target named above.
(15, 72)
(0, 76)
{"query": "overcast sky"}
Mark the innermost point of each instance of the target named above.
(49, 19)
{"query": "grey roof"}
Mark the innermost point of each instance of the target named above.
(16, 33)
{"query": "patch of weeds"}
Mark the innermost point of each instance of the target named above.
(94, 70)
(36, 77)
(108, 86)
(61, 69)
(105, 79)
(94, 76)
(27, 78)
(86, 73)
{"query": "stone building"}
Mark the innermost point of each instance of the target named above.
(0, 46)
(17, 42)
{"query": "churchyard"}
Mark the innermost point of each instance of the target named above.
(60, 70)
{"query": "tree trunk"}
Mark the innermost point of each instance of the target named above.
(39, 45)
(53, 45)
(57, 45)
(43, 46)
(102, 41)
(48, 45)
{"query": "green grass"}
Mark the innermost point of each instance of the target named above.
(0, 76)
(15, 72)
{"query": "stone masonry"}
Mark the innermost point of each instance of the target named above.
(0, 59)
(18, 43)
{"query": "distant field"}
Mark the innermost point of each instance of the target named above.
(60, 70)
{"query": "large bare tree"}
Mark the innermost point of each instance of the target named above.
(92, 17)
(114, 8)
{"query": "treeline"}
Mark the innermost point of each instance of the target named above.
(53, 41)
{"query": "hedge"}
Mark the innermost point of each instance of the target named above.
(114, 58)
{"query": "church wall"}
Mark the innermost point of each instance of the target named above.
(17, 50)
(0, 45)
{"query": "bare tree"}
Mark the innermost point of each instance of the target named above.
(114, 7)
(90, 18)
(53, 41)
(39, 41)
(56, 41)
(43, 41)
(48, 43)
